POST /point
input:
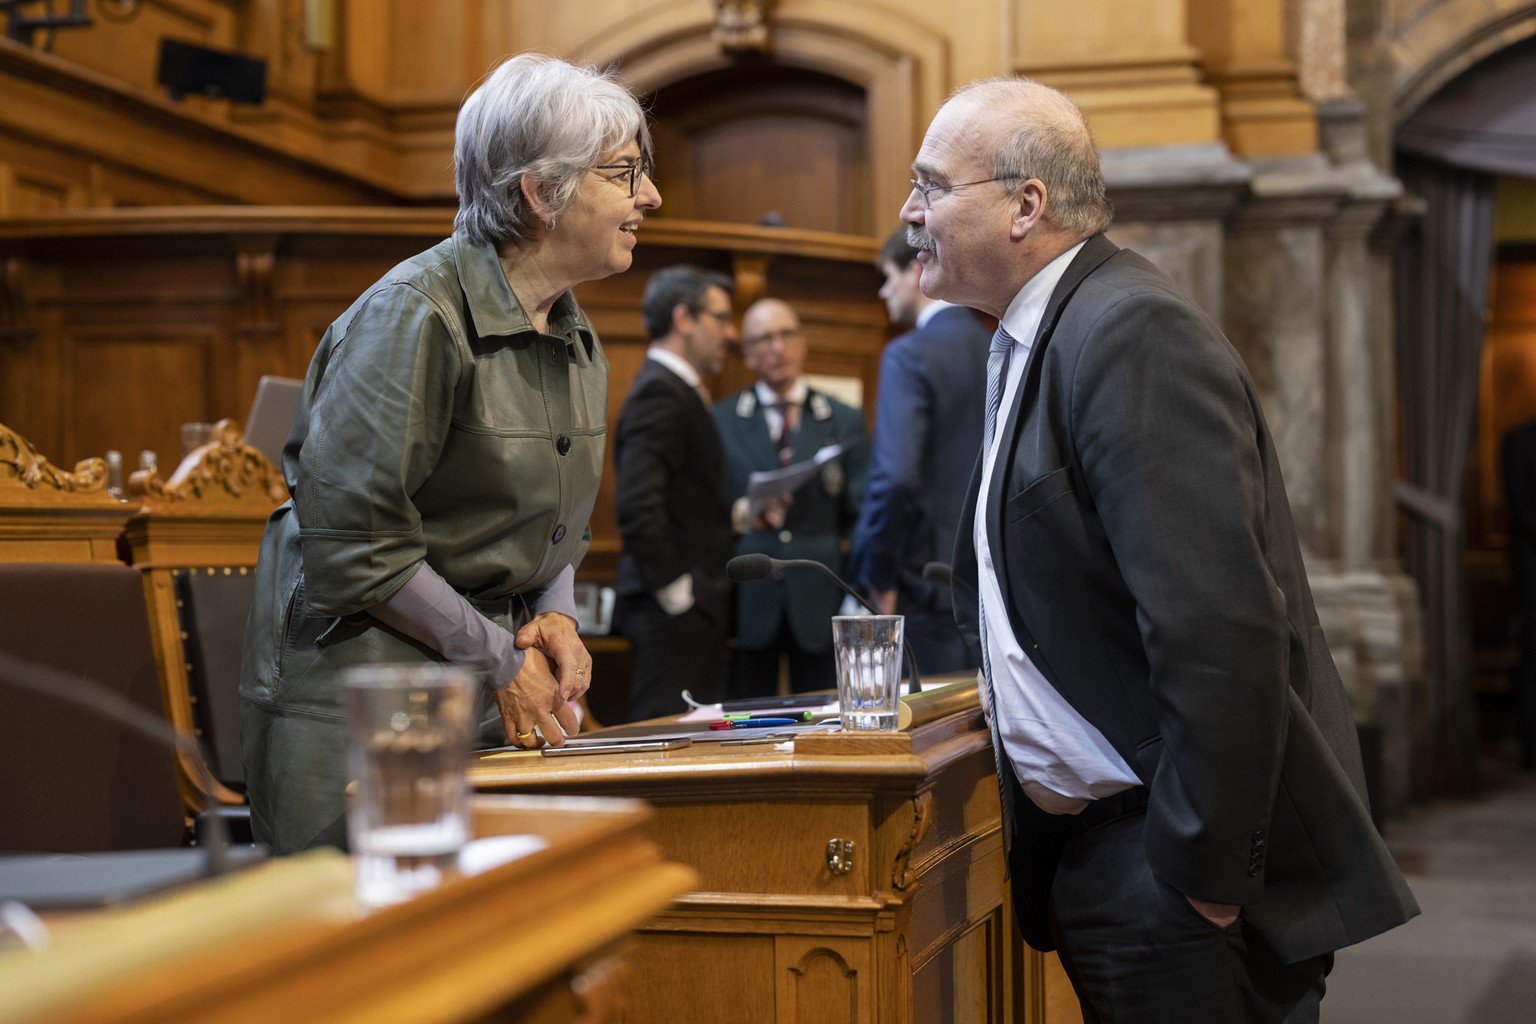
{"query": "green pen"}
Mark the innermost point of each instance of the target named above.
(747, 716)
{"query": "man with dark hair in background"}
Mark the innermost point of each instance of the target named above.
(673, 505)
(933, 383)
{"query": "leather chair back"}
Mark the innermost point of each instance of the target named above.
(70, 780)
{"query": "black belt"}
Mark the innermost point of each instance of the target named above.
(1110, 808)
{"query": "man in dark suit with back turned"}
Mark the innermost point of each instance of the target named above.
(933, 388)
(673, 505)
(1189, 820)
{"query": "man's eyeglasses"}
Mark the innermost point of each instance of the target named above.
(629, 173)
(929, 191)
(784, 335)
(722, 317)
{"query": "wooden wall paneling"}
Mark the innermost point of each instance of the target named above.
(126, 46)
(38, 178)
(144, 342)
(145, 319)
(31, 358)
(30, 190)
(151, 379)
(68, 110)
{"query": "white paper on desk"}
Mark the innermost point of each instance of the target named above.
(775, 483)
(714, 714)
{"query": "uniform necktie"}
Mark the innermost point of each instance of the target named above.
(785, 442)
(997, 372)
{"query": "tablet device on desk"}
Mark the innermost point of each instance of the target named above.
(793, 700)
(616, 746)
(271, 416)
(57, 881)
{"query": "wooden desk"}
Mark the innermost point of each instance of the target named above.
(857, 879)
(539, 940)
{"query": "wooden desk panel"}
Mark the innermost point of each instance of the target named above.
(916, 930)
(541, 939)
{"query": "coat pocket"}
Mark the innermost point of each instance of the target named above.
(1040, 493)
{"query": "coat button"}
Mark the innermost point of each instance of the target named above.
(563, 445)
(785, 536)
(558, 535)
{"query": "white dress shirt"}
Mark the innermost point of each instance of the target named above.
(1061, 761)
(773, 411)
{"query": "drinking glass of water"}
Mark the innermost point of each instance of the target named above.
(408, 736)
(868, 650)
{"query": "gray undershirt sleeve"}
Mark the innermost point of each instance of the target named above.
(558, 595)
(427, 609)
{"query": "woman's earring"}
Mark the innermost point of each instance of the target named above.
(550, 224)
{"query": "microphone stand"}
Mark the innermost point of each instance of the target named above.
(755, 567)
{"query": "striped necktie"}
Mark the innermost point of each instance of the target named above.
(997, 373)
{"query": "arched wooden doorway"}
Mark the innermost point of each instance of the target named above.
(760, 143)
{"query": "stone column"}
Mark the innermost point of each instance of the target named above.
(1135, 75)
(1246, 48)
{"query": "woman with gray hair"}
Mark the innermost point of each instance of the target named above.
(447, 452)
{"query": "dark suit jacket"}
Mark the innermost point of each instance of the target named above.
(1152, 572)
(674, 512)
(824, 509)
(928, 420)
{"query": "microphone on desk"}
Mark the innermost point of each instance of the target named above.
(744, 568)
(21, 674)
(938, 573)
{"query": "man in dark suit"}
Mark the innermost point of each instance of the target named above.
(933, 388)
(777, 422)
(673, 506)
(1182, 775)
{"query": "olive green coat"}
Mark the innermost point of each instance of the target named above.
(437, 426)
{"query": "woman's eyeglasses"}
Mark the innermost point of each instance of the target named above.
(629, 173)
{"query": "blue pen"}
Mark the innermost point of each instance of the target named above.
(753, 723)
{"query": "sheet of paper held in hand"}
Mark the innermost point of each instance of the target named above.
(775, 483)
